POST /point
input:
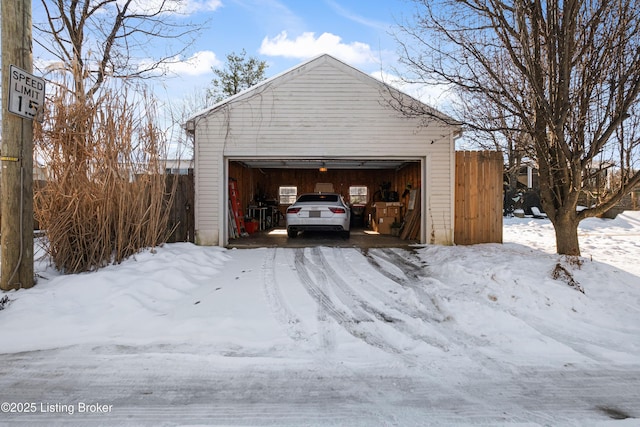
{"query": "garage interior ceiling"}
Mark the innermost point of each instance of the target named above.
(327, 163)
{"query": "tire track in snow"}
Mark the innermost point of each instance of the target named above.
(291, 323)
(411, 270)
(414, 278)
(351, 298)
(325, 309)
(389, 298)
(318, 290)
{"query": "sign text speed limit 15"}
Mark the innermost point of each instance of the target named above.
(26, 93)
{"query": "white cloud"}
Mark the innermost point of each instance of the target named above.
(198, 64)
(193, 6)
(186, 7)
(307, 45)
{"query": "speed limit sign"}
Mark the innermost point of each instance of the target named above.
(26, 93)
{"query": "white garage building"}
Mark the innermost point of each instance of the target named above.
(322, 113)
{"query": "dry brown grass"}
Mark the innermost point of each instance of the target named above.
(104, 199)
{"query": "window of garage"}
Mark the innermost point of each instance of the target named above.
(358, 194)
(287, 194)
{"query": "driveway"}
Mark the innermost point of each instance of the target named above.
(156, 386)
(322, 335)
(360, 238)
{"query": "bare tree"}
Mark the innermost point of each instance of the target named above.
(94, 40)
(499, 132)
(179, 112)
(238, 74)
(102, 145)
(566, 73)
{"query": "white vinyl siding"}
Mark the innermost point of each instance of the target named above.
(321, 109)
(350, 120)
(209, 190)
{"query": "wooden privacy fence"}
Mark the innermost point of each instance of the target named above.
(478, 203)
(181, 215)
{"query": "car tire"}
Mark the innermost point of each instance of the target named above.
(292, 233)
(346, 234)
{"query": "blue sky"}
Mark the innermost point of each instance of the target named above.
(287, 32)
(283, 33)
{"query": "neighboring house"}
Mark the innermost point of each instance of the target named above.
(321, 122)
(601, 179)
(177, 166)
(527, 176)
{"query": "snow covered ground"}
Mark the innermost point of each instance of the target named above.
(479, 335)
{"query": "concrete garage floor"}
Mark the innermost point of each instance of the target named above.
(360, 238)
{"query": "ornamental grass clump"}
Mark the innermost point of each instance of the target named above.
(105, 197)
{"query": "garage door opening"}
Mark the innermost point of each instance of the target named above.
(378, 191)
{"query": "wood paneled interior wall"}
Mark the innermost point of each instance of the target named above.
(410, 175)
(265, 183)
(244, 176)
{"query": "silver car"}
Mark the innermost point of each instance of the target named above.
(318, 211)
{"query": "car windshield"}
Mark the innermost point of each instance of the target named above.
(318, 198)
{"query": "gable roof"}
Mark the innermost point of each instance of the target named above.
(308, 65)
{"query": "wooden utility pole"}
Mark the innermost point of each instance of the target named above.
(16, 154)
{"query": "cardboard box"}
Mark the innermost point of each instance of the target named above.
(384, 209)
(383, 205)
(395, 211)
(384, 224)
